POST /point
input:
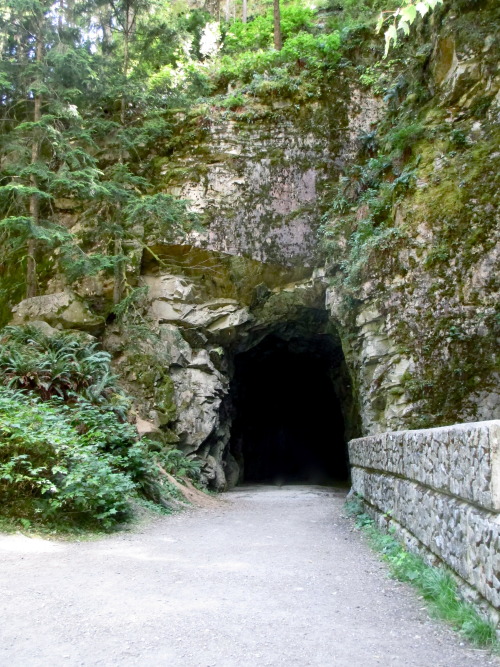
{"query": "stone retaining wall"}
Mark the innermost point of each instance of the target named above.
(442, 487)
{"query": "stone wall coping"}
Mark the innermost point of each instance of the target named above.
(461, 460)
(463, 426)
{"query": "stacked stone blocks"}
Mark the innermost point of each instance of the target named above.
(442, 485)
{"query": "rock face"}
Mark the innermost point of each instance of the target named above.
(62, 309)
(181, 375)
(441, 488)
(411, 301)
(415, 296)
(259, 185)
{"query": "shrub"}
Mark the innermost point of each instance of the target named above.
(48, 470)
(177, 464)
(304, 50)
(258, 32)
(67, 454)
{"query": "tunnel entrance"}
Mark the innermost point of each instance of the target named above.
(288, 425)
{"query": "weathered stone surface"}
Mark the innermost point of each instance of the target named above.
(44, 328)
(216, 314)
(61, 309)
(442, 486)
(378, 365)
(169, 287)
(258, 185)
(231, 471)
(198, 396)
(244, 221)
(197, 332)
(461, 460)
(212, 474)
(148, 429)
(177, 350)
(464, 537)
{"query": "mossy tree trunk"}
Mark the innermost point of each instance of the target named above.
(34, 204)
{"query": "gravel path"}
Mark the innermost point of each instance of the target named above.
(271, 577)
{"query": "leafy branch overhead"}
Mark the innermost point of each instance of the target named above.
(402, 19)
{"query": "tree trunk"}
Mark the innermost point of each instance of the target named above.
(119, 271)
(228, 11)
(244, 11)
(213, 8)
(126, 38)
(34, 207)
(278, 43)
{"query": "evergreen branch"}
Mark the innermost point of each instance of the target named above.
(24, 190)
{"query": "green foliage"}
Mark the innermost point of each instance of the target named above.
(359, 211)
(50, 471)
(162, 215)
(76, 263)
(314, 52)
(55, 365)
(233, 101)
(353, 16)
(68, 457)
(436, 585)
(258, 32)
(177, 464)
(405, 136)
(247, 52)
(401, 20)
(365, 242)
(66, 93)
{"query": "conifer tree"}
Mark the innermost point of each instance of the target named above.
(44, 147)
(75, 113)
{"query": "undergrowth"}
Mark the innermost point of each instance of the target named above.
(435, 585)
(69, 459)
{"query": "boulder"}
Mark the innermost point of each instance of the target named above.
(198, 396)
(63, 310)
(231, 471)
(44, 328)
(177, 350)
(212, 474)
(169, 288)
(213, 315)
(147, 429)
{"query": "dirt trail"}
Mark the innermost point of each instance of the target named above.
(271, 577)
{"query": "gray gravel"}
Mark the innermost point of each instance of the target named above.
(274, 576)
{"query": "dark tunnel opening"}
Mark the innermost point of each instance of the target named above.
(288, 425)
